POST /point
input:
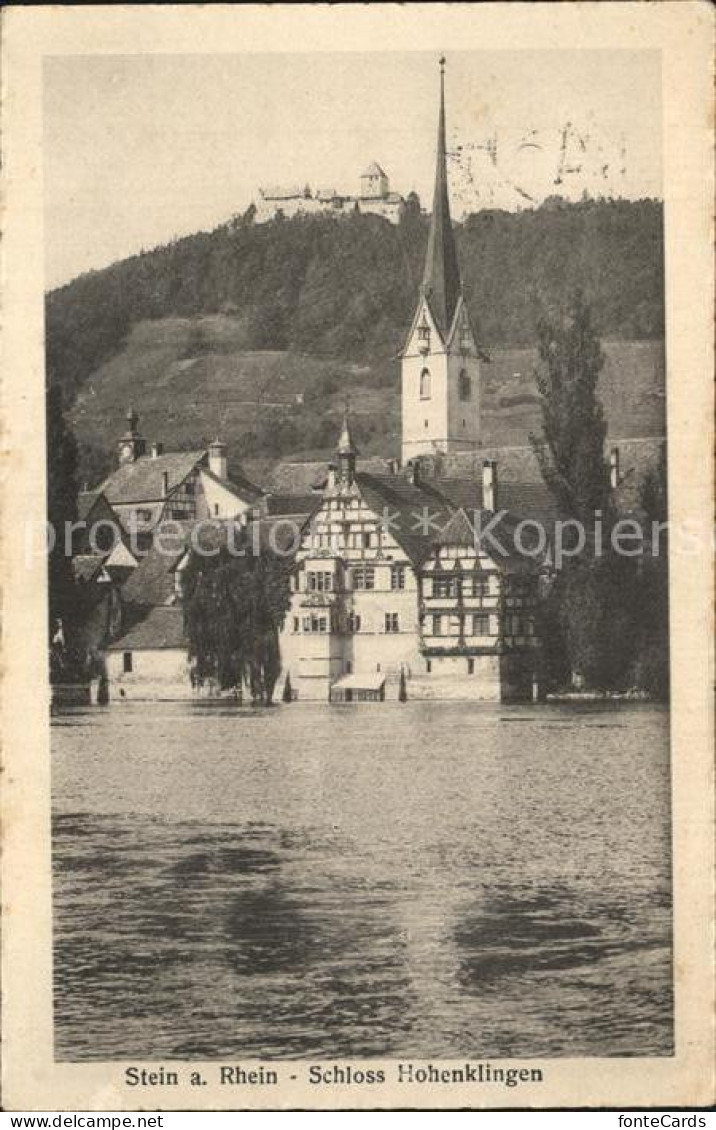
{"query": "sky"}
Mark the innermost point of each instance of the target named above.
(140, 149)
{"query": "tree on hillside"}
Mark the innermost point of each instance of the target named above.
(234, 608)
(570, 451)
(591, 605)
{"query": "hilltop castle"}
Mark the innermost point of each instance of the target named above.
(374, 197)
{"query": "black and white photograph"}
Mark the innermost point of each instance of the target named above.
(359, 556)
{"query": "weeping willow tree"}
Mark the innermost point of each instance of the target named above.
(234, 607)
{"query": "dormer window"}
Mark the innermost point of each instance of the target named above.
(424, 335)
(425, 384)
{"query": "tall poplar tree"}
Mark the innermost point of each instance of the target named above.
(591, 607)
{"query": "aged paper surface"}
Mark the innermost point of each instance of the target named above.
(42, 1067)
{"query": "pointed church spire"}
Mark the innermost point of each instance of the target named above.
(345, 440)
(346, 451)
(441, 280)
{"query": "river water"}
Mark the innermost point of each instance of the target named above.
(426, 880)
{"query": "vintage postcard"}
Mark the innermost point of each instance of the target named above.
(357, 556)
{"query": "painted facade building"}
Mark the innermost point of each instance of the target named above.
(391, 583)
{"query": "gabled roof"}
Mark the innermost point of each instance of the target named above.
(415, 512)
(373, 170)
(458, 531)
(88, 567)
(152, 582)
(499, 542)
(291, 504)
(239, 485)
(142, 481)
(160, 629)
(86, 501)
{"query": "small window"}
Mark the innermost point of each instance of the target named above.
(391, 622)
(354, 622)
(464, 385)
(296, 624)
(127, 662)
(426, 424)
(437, 625)
(216, 509)
(397, 577)
(428, 666)
(481, 624)
(349, 667)
(425, 384)
(480, 586)
(471, 666)
(364, 577)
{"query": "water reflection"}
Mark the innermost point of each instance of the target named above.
(438, 887)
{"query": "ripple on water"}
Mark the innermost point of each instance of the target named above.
(416, 880)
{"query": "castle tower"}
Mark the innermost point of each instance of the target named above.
(131, 445)
(440, 362)
(374, 183)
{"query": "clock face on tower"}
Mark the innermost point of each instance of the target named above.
(127, 450)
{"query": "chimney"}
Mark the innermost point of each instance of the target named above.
(165, 484)
(157, 450)
(218, 463)
(489, 485)
(614, 477)
(413, 471)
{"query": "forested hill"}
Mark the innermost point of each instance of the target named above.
(345, 288)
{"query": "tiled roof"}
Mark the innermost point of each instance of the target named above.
(142, 480)
(501, 544)
(292, 503)
(160, 628)
(86, 499)
(86, 567)
(241, 487)
(152, 582)
(458, 531)
(297, 477)
(415, 512)
(524, 499)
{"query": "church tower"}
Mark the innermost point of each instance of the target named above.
(441, 360)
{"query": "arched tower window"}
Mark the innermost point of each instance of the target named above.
(464, 385)
(425, 384)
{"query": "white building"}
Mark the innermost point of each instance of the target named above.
(392, 581)
(374, 198)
